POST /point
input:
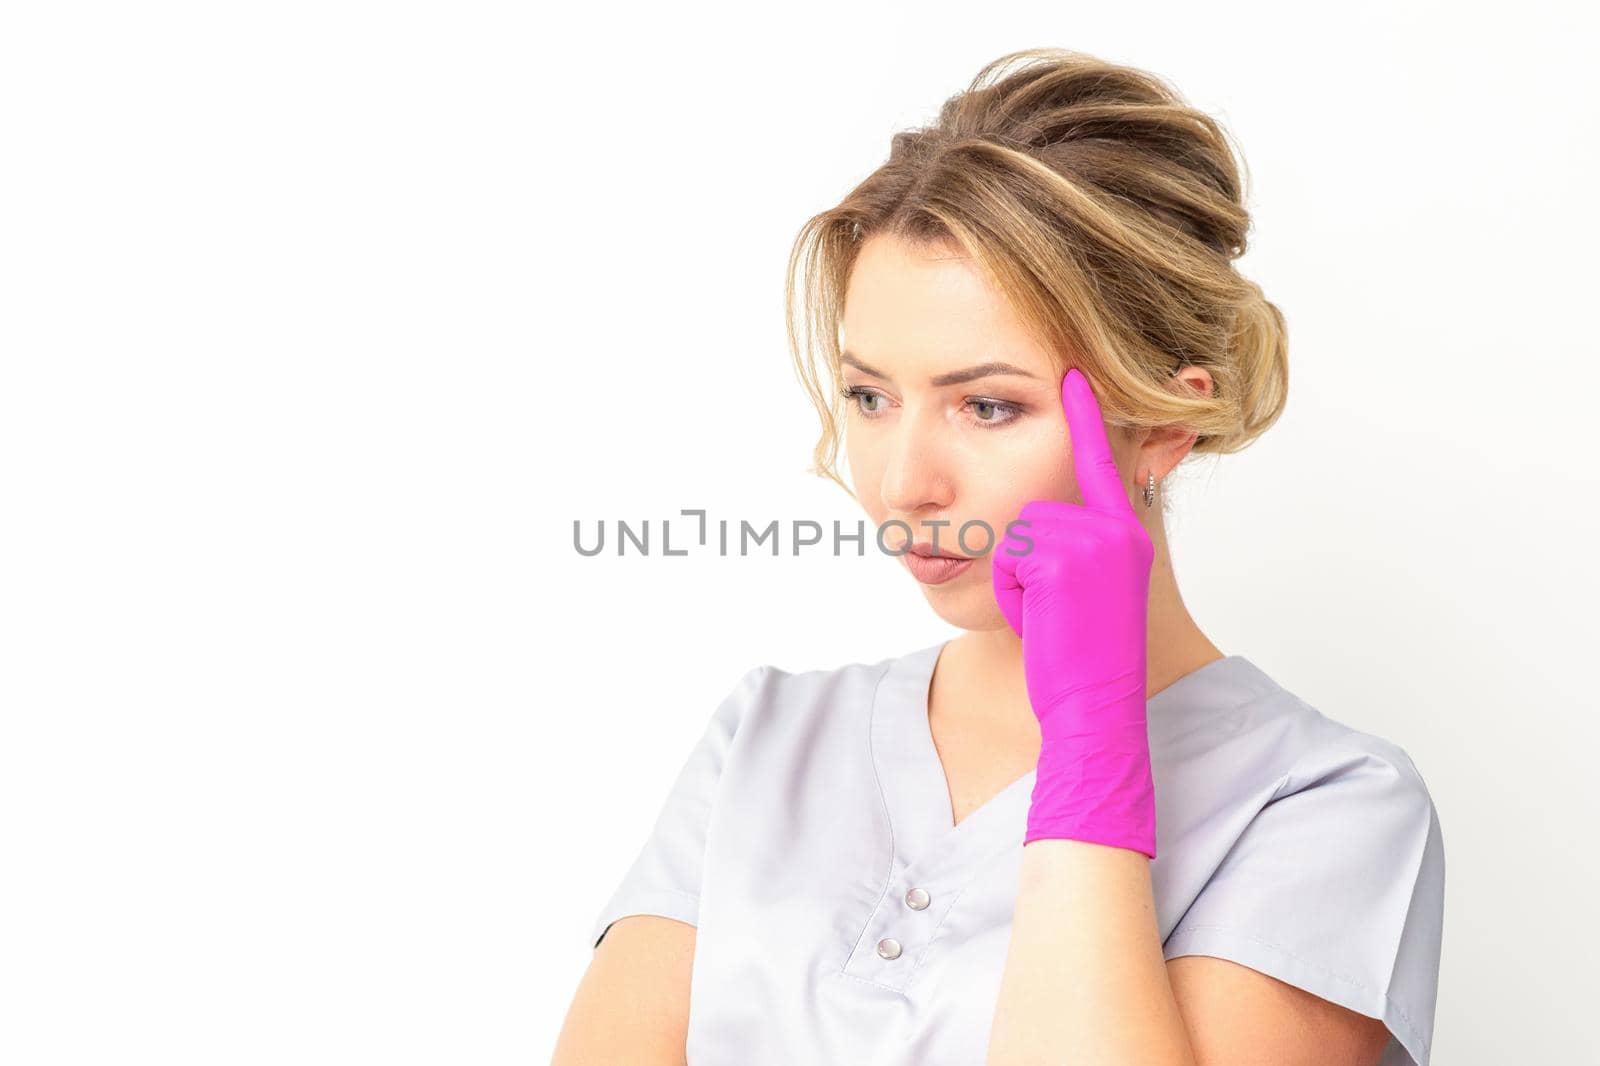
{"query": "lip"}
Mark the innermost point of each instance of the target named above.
(935, 569)
(926, 548)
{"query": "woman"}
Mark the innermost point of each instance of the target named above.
(1078, 832)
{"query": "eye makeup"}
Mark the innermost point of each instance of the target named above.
(987, 413)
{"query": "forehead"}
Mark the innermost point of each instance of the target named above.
(933, 308)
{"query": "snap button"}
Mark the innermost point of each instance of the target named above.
(917, 899)
(889, 948)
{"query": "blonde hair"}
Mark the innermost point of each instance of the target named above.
(1105, 208)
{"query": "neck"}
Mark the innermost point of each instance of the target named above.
(1175, 644)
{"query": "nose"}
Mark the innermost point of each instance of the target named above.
(916, 477)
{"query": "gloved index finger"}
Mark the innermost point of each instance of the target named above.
(1092, 462)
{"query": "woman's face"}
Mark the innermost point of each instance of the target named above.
(933, 434)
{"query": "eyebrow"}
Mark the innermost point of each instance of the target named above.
(954, 377)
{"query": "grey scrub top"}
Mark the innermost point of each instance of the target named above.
(843, 918)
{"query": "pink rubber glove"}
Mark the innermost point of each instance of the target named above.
(1079, 599)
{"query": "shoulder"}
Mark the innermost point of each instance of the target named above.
(1306, 849)
(1357, 774)
(1231, 736)
(1363, 791)
(1330, 752)
(823, 682)
(771, 693)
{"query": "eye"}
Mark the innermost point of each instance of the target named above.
(986, 413)
(993, 413)
(859, 394)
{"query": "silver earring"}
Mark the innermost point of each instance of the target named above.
(1150, 490)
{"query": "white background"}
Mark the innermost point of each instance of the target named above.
(322, 322)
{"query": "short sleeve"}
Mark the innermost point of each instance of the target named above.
(1337, 887)
(664, 878)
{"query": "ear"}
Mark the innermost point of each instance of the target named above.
(1159, 451)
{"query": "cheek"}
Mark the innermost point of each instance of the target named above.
(866, 470)
(995, 474)
(1029, 463)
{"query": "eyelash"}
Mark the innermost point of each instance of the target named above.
(1013, 412)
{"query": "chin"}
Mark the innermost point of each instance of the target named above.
(966, 604)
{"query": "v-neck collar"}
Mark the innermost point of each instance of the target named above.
(927, 843)
(925, 836)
